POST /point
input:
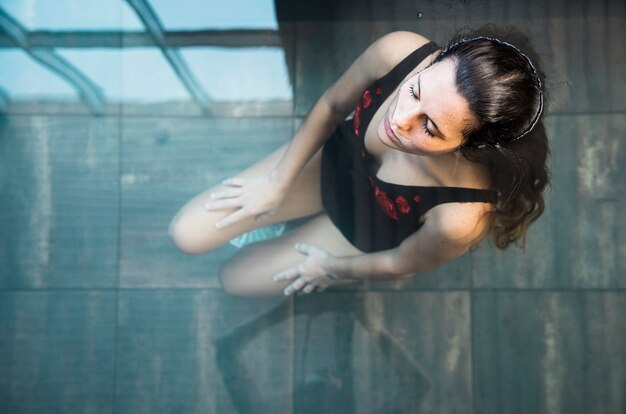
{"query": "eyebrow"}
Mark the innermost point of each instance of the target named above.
(419, 92)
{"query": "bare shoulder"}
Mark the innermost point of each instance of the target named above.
(393, 47)
(449, 232)
(375, 62)
(461, 224)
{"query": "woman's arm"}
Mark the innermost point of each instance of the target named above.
(341, 98)
(449, 231)
(259, 197)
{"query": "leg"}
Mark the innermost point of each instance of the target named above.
(249, 272)
(192, 230)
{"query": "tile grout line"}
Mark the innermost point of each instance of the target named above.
(344, 291)
(471, 335)
(119, 261)
(292, 304)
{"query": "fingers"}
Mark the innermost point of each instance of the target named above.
(237, 182)
(231, 218)
(222, 204)
(295, 286)
(303, 248)
(287, 274)
(225, 198)
(306, 282)
(301, 285)
(228, 193)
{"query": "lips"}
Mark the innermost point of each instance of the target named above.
(389, 131)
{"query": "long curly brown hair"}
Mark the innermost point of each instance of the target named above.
(504, 87)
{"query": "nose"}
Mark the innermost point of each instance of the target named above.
(405, 118)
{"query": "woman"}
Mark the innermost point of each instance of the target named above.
(443, 149)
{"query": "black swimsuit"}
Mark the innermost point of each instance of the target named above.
(372, 214)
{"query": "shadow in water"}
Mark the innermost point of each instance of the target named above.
(323, 390)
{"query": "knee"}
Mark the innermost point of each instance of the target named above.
(187, 238)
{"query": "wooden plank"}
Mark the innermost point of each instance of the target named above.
(363, 353)
(58, 203)
(597, 60)
(315, 67)
(57, 351)
(578, 243)
(178, 350)
(549, 352)
(584, 54)
(616, 52)
(600, 172)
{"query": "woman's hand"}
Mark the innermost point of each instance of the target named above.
(257, 197)
(309, 274)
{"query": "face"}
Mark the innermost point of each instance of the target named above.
(427, 115)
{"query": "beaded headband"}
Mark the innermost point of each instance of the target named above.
(532, 68)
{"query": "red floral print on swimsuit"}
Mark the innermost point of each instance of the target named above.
(379, 91)
(386, 204)
(403, 205)
(356, 121)
(417, 198)
(367, 99)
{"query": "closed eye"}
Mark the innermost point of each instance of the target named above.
(415, 98)
(426, 129)
(426, 118)
(412, 93)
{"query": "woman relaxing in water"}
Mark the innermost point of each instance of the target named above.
(444, 148)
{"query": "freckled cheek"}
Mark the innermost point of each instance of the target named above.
(424, 142)
(428, 146)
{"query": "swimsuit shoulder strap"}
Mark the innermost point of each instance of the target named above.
(439, 195)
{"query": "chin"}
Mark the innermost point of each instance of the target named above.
(387, 142)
